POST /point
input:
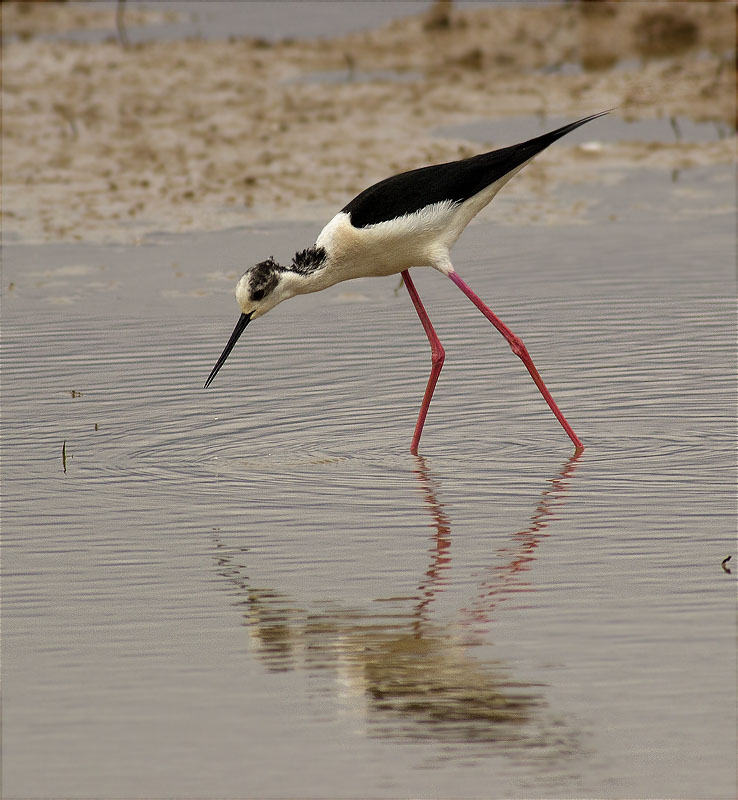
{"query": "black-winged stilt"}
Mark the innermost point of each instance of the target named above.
(408, 220)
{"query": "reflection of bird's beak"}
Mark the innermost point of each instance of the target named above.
(243, 321)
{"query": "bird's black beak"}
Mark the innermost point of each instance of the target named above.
(243, 321)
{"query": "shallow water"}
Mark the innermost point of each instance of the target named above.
(256, 591)
(220, 19)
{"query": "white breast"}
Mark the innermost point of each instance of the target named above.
(386, 248)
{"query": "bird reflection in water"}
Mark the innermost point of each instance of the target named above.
(408, 676)
(506, 580)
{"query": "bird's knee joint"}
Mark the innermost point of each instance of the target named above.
(517, 346)
(438, 357)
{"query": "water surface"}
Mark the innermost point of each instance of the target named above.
(256, 591)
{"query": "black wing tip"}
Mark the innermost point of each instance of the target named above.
(595, 115)
(591, 117)
(518, 153)
(550, 137)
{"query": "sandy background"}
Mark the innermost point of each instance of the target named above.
(103, 142)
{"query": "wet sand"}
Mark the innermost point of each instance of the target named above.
(106, 143)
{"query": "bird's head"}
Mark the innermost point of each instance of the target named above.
(260, 288)
(267, 284)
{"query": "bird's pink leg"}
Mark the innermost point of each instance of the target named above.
(519, 349)
(438, 354)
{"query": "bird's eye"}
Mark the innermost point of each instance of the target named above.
(257, 295)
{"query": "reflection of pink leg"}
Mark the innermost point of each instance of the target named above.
(519, 349)
(437, 356)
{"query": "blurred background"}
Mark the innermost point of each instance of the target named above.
(124, 118)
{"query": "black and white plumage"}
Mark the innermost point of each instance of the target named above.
(409, 220)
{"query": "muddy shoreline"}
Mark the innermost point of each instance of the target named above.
(106, 143)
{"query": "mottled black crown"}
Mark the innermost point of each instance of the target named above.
(263, 278)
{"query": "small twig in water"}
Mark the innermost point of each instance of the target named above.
(675, 127)
(120, 24)
(64, 461)
(724, 564)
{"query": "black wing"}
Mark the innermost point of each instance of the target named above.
(456, 180)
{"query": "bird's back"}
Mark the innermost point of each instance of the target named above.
(454, 181)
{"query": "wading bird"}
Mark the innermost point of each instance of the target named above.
(409, 220)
